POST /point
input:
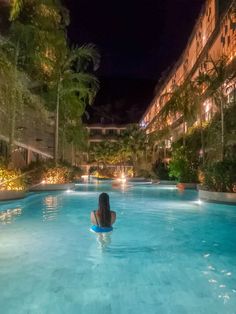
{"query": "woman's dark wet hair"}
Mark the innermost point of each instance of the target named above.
(104, 210)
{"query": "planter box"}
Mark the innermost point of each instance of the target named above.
(137, 179)
(11, 195)
(139, 182)
(167, 182)
(52, 187)
(188, 186)
(218, 197)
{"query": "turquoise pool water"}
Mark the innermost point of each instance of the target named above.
(167, 254)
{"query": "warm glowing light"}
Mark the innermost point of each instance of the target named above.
(122, 178)
(43, 182)
(85, 177)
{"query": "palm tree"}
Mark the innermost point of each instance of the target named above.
(135, 142)
(38, 31)
(215, 81)
(182, 101)
(73, 86)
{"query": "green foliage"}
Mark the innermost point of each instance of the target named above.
(107, 152)
(183, 165)
(220, 176)
(184, 100)
(36, 45)
(16, 6)
(76, 133)
(102, 173)
(11, 179)
(38, 30)
(218, 75)
(192, 140)
(72, 89)
(15, 95)
(212, 134)
(133, 146)
(63, 172)
(161, 170)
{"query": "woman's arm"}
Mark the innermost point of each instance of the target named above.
(92, 218)
(113, 217)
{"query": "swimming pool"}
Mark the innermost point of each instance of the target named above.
(168, 253)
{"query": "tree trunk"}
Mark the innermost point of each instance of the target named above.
(202, 138)
(203, 146)
(222, 130)
(184, 132)
(72, 154)
(57, 123)
(13, 109)
(12, 130)
(63, 145)
(164, 149)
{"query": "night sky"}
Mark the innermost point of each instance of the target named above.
(138, 41)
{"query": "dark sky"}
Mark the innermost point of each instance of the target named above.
(138, 40)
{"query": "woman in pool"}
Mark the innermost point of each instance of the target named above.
(103, 217)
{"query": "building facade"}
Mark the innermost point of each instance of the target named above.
(34, 135)
(104, 132)
(213, 36)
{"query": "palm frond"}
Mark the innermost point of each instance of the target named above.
(15, 9)
(87, 54)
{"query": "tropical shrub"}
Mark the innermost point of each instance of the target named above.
(183, 165)
(11, 179)
(50, 173)
(103, 173)
(220, 176)
(56, 175)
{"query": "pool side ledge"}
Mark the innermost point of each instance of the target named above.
(11, 195)
(217, 197)
(52, 187)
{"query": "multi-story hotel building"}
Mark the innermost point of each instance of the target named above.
(104, 132)
(213, 36)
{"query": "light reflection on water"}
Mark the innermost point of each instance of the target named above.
(7, 216)
(50, 208)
